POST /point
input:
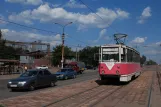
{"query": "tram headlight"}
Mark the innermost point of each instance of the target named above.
(117, 72)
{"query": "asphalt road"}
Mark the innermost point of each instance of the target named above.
(6, 93)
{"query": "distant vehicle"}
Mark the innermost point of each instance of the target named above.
(66, 73)
(90, 67)
(42, 67)
(119, 61)
(32, 79)
(79, 67)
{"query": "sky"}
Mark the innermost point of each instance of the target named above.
(94, 22)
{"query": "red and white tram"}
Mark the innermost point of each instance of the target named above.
(119, 61)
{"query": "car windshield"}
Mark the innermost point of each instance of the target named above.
(110, 55)
(29, 73)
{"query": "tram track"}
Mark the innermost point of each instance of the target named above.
(69, 97)
(159, 79)
(150, 91)
(88, 97)
(97, 96)
(95, 100)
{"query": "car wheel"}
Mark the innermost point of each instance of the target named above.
(31, 87)
(12, 90)
(74, 76)
(52, 84)
(81, 72)
(65, 77)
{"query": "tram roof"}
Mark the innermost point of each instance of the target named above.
(120, 45)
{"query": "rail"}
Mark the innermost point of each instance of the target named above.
(69, 97)
(150, 91)
(159, 79)
(93, 96)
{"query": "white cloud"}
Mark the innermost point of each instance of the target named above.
(25, 36)
(158, 43)
(28, 2)
(152, 52)
(145, 15)
(22, 17)
(1, 21)
(101, 35)
(45, 13)
(74, 4)
(139, 40)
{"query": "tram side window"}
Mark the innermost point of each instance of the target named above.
(123, 56)
(138, 58)
(129, 55)
(134, 57)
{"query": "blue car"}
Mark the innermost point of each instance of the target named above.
(66, 73)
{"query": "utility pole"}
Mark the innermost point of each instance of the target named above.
(78, 51)
(62, 59)
(76, 54)
(63, 37)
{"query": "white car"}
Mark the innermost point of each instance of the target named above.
(42, 67)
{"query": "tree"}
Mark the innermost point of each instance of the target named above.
(89, 55)
(0, 34)
(142, 60)
(151, 62)
(57, 54)
(8, 52)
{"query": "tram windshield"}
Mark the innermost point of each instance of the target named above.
(110, 54)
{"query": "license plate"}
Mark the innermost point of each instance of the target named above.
(13, 85)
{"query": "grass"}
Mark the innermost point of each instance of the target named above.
(1, 105)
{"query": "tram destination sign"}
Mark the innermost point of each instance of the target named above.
(110, 50)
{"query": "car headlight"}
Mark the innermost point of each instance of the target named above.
(23, 82)
(10, 82)
(61, 75)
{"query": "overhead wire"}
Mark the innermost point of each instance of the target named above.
(78, 40)
(29, 27)
(47, 30)
(97, 15)
(41, 30)
(69, 43)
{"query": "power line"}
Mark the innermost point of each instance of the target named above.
(39, 29)
(29, 27)
(96, 14)
(68, 43)
(78, 40)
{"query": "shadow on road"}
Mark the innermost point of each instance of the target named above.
(115, 82)
(38, 88)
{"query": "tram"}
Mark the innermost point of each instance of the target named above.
(119, 61)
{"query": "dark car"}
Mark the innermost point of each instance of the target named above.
(90, 67)
(32, 79)
(66, 73)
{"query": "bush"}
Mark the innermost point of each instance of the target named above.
(1, 105)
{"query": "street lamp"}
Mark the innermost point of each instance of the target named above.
(63, 37)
